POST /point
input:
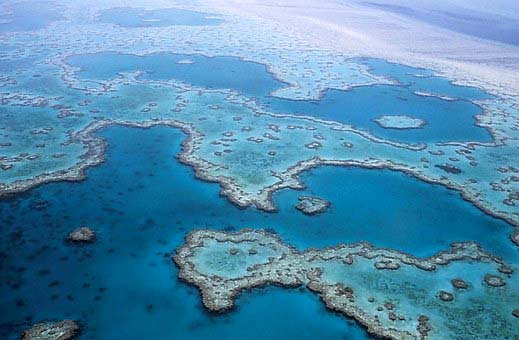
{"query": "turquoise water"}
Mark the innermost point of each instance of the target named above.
(139, 17)
(142, 202)
(446, 120)
(28, 16)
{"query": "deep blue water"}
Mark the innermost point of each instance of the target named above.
(446, 120)
(28, 16)
(213, 73)
(478, 24)
(142, 202)
(139, 17)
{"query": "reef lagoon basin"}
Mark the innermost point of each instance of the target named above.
(242, 170)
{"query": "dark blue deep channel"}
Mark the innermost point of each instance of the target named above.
(141, 202)
(446, 120)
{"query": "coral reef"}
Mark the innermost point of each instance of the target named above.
(395, 303)
(63, 330)
(312, 205)
(81, 235)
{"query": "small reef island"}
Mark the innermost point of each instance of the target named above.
(64, 330)
(299, 162)
(81, 235)
(312, 205)
(400, 122)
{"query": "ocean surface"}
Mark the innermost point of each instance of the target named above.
(141, 202)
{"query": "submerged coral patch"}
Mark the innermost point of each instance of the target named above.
(312, 205)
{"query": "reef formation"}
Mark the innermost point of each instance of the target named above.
(394, 295)
(63, 330)
(81, 235)
(312, 205)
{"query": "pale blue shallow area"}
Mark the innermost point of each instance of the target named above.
(142, 202)
(139, 17)
(446, 120)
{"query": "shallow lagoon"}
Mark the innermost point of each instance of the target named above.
(446, 120)
(142, 202)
